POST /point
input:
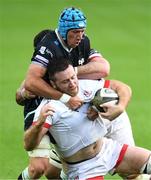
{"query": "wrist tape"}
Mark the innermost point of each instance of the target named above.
(64, 98)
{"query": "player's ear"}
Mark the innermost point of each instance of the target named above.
(53, 84)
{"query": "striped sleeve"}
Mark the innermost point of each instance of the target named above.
(48, 121)
(93, 54)
(46, 125)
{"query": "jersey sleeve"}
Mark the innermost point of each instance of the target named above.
(42, 54)
(91, 52)
(102, 83)
(106, 84)
(94, 53)
(48, 122)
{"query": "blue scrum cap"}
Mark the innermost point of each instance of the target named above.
(71, 18)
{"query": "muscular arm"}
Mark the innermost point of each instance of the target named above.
(19, 96)
(34, 134)
(22, 94)
(97, 68)
(34, 82)
(124, 92)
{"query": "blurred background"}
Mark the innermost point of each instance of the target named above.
(119, 29)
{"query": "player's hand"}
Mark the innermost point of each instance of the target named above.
(46, 110)
(92, 114)
(26, 94)
(111, 111)
(74, 102)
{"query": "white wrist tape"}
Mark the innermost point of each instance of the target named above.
(76, 70)
(64, 98)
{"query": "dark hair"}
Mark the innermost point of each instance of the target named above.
(40, 36)
(57, 66)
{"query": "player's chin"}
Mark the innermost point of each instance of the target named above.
(75, 44)
(73, 92)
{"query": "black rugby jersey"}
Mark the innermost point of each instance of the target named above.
(51, 48)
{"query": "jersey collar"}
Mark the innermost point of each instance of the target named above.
(62, 43)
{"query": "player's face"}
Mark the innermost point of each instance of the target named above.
(74, 37)
(66, 81)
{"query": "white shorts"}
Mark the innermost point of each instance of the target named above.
(46, 150)
(120, 129)
(111, 155)
(54, 159)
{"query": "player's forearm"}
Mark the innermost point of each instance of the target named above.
(41, 88)
(34, 83)
(32, 136)
(124, 92)
(125, 96)
(19, 97)
(94, 70)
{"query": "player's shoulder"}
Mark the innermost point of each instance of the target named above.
(49, 38)
(88, 83)
(85, 39)
(48, 46)
(88, 88)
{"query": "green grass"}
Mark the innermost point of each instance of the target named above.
(119, 29)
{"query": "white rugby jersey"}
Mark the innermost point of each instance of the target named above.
(72, 130)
